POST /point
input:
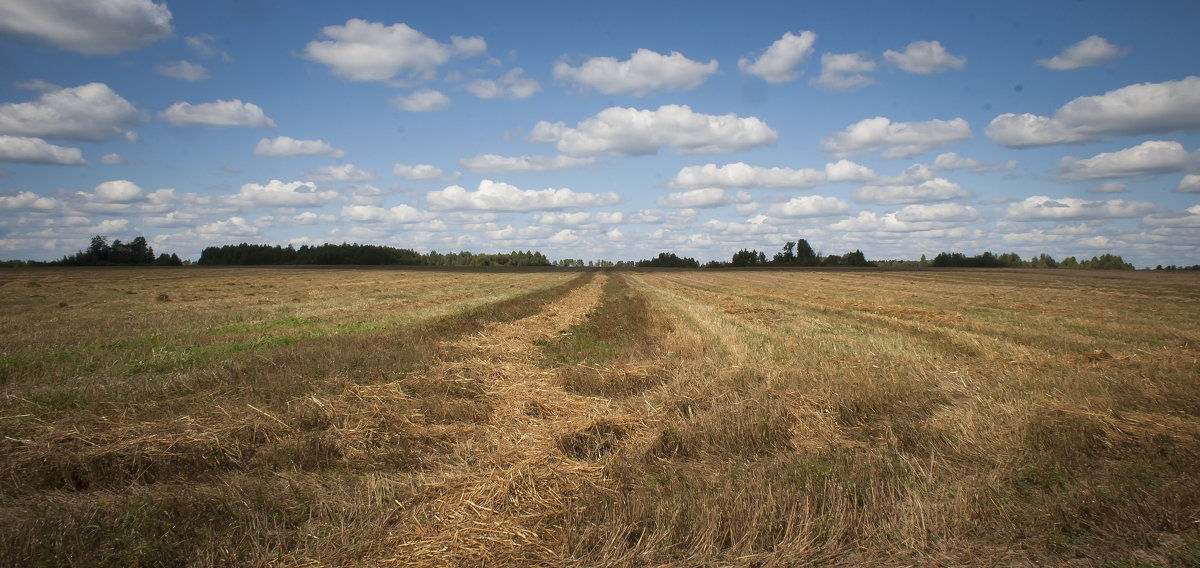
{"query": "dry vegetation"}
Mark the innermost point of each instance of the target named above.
(744, 418)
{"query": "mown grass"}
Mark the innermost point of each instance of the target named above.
(950, 418)
(279, 436)
(995, 418)
(614, 352)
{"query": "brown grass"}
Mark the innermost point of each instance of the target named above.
(378, 417)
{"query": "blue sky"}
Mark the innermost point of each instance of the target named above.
(608, 130)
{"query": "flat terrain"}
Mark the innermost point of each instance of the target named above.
(373, 417)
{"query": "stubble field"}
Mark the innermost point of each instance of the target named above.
(310, 417)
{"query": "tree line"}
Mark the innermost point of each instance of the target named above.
(1010, 260)
(100, 252)
(358, 254)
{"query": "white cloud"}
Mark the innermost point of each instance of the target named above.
(1091, 51)
(809, 206)
(424, 100)
(579, 219)
(370, 51)
(937, 189)
(644, 72)
(952, 161)
(844, 71)
(756, 225)
(633, 132)
(190, 72)
(402, 214)
(937, 212)
(27, 201)
(279, 194)
(511, 85)
(219, 113)
(117, 191)
(200, 45)
(499, 196)
(943, 220)
(694, 198)
(91, 112)
(1108, 187)
(425, 172)
(740, 174)
(342, 173)
(1148, 158)
(1189, 184)
(94, 27)
(896, 139)
(1189, 219)
(232, 229)
(113, 159)
(495, 164)
(288, 146)
(778, 62)
(1145, 108)
(1040, 207)
(37, 151)
(925, 58)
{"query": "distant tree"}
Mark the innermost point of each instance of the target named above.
(669, 260)
(805, 254)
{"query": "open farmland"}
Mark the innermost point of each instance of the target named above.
(420, 417)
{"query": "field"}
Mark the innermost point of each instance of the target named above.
(358, 417)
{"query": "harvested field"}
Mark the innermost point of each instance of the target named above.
(309, 417)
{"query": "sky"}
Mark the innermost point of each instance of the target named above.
(604, 130)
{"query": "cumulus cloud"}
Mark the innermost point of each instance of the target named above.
(27, 201)
(199, 45)
(633, 132)
(809, 206)
(424, 100)
(117, 191)
(1091, 51)
(952, 161)
(113, 159)
(644, 72)
(924, 58)
(896, 139)
(95, 27)
(740, 174)
(942, 219)
(342, 173)
(1108, 187)
(288, 146)
(190, 72)
(694, 198)
(1189, 184)
(936, 189)
(425, 172)
(579, 219)
(1040, 207)
(1148, 158)
(499, 196)
(370, 51)
(400, 214)
(232, 229)
(778, 62)
(91, 112)
(1145, 108)
(279, 194)
(845, 72)
(496, 164)
(37, 151)
(511, 85)
(220, 113)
